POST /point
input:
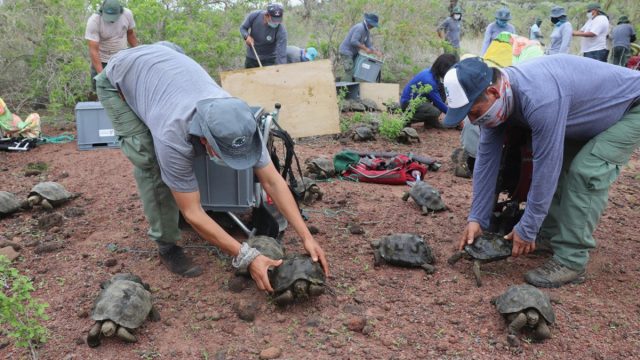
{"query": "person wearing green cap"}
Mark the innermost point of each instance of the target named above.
(534, 32)
(358, 39)
(594, 34)
(167, 111)
(622, 36)
(108, 31)
(450, 28)
(503, 15)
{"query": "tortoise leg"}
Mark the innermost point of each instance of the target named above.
(108, 328)
(476, 272)
(316, 290)
(430, 269)
(93, 338)
(425, 210)
(377, 258)
(284, 298)
(154, 314)
(542, 331)
(456, 257)
(46, 204)
(34, 200)
(405, 196)
(125, 335)
(532, 317)
(518, 321)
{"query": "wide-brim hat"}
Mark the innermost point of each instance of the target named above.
(230, 128)
(463, 83)
(503, 14)
(593, 6)
(371, 19)
(558, 11)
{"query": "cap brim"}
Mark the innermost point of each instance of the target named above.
(276, 20)
(455, 116)
(110, 17)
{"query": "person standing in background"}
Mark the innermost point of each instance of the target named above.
(358, 39)
(449, 29)
(500, 25)
(534, 32)
(594, 33)
(622, 36)
(265, 36)
(562, 32)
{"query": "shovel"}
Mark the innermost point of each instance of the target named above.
(256, 54)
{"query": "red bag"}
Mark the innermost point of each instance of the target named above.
(392, 171)
(634, 62)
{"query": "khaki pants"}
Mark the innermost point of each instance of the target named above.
(136, 143)
(588, 171)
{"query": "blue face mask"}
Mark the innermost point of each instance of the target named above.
(501, 23)
(273, 25)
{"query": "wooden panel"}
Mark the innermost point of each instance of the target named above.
(307, 92)
(380, 93)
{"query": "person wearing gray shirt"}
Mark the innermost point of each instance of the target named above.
(583, 130)
(562, 32)
(166, 110)
(265, 36)
(358, 39)
(622, 36)
(501, 24)
(451, 27)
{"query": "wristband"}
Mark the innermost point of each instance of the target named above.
(245, 257)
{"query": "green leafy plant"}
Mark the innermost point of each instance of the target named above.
(391, 126)
(19, 312)
(421, 91)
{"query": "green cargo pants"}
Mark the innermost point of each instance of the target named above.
(588, 171)
(136, 143)
(344, 68)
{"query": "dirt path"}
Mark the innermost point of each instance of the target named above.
(406, 314)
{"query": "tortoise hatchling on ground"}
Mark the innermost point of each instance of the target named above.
(408, 250)
(362, 133)
(310, 189)
(425, 196)
(49, 194)
(526, 306)
(488, 247)
(320, 167)
(461, 167)
(408, 135)
(298, 278)
(123, 305)
(9, 203)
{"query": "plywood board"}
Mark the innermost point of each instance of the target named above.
(307, 92)
(380, 93)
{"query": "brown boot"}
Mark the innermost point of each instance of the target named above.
(552, 274)
(178, 263)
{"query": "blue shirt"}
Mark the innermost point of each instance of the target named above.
(424, 77)
(574, 105)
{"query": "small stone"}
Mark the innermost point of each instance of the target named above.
(270, 353)
(32, 172)
(214, 316)
(312, 322)
(72, 212)
(387, 341)
(9, 253)
(200, 316)
(167, 322)
(356, 323)
(221, 355)
(83, 314)
(79, 341)
(64, 175)
(313, 230)
(246, 311)
(367, 329)
(499, 346)
(111, 262)
(48, 221)
(238, 283)
(356, 229)
(48, 248)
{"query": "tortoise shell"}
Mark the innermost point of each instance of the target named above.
(405, 250)
(525, 296)
(124, 300)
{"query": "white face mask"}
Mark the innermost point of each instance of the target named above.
(457, 16)
(272, 25)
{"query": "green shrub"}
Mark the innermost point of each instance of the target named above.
(391, 126)
(20, 315)
(415, 103)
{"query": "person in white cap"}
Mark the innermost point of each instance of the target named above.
(107, 32)
(581, 137)
(166, 110)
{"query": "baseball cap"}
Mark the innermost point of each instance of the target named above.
(463, 83)
(276, 11)
(593, 6)
(111, 10)
(230, 128)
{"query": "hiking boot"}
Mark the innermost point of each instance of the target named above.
(552, 274)
(177, 262)
(543, 245)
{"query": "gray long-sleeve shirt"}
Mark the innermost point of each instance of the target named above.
(358, 35)
(492, 32)
(270, 43)
(560, 39)
(451, 27)
(556, 99)
(621, 35)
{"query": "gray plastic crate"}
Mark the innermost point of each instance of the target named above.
(94, 127)
(367, 69)
(222, 188)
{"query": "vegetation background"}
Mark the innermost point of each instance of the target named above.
(44, 58)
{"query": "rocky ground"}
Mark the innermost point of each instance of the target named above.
(370, 313)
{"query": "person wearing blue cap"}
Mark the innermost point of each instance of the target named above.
(108, 31)
(562, 32)
(296, 54)
(358, 39)
(265, 36)
(166, 110)
(581, 138)
(594, 34)
(501, 24)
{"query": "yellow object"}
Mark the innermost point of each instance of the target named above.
(499, 54)
(12, 126)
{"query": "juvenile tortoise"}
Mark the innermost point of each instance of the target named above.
(362, 133)
(9, 203)
(526, 306)
(49, 194)
(408, 250)
(408, 135)
(123, 305)
(488, 247)
(427, 197)
(459, 158)
(310, 189)
(320, 167)
(298, 278)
